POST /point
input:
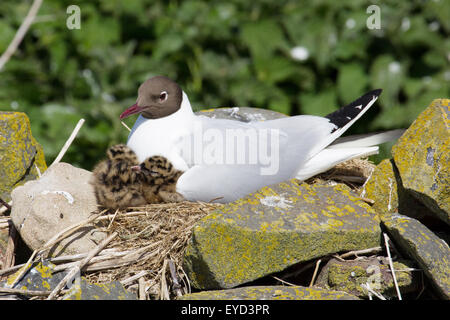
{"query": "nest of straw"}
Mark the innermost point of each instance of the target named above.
(152, 240)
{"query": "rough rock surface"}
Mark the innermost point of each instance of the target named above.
(59, 199)
(385, 188)
(20, 154)
(244, 114)
(430, 252)
(99, 291)
(422, 156)
(351, 276)
(42, 278)
(274, 228)
(270, 293)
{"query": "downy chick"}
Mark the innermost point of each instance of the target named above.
(116, 185)
(160, 180)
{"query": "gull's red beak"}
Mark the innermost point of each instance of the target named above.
(131, 110)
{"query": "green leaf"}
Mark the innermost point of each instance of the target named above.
(352, 81)
(319, 104)
(388, 74)
(274, 69)
(262, 38)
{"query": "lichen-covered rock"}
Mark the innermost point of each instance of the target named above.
(61, 198)
(385, 188)
(351, 276)
(41, 277)
(98, 291)
(244, 114)
(422, 156)
(430, 252)
(274, 228)
(270, 293)
(20, 153)
(38, 278)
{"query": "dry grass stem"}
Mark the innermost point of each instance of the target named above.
(68, 142)
(391, 265)
(315, 273)
(356, 253)
(370, 290)
(77, 269)
(25, 292)
(20, 34)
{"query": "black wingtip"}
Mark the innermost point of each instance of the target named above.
(376, 92)
(346, 114)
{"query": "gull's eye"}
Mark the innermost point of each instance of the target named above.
(163, 96)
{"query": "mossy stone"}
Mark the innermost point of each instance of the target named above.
(274, 228)
(20, 153)
(385, 188)
(430, 252)
(422, 156)
(350, 276)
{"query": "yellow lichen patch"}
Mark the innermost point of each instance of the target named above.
(20, 153)
(248, 241)
(422, 156)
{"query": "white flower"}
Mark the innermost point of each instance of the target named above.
(299, 53)
(394, 67)
(350, 23)
(447, 75)
(14, 105)
(433, 26)
(406, 24)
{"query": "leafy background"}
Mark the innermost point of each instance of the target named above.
(223, 53)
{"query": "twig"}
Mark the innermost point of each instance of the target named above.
(133, 278)
(74, 257)
(142, 294)
(188, 284)
(69, 231)
(11, 248)
(24, 269)
(164, 293)
(112, 220)
(125, 125)
(369, 201)
(176, 283)
(25, 292)
(315, 273)
(38, 170)
(99, 258)
(391, 265)
(68, 142)
(20, 34)
(6, 204)
(283, 281)
(369, 289)
(76, 269)
(5, 208)
(357, 252)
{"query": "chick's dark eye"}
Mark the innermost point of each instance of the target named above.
(163, 96)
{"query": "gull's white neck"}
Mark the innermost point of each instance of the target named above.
(150, 137)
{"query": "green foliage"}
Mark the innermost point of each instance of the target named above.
(223, 53)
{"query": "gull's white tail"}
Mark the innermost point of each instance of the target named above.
(346, 148)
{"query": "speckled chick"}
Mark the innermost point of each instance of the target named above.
(121, 182)
(160, 179)
(116, 185)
